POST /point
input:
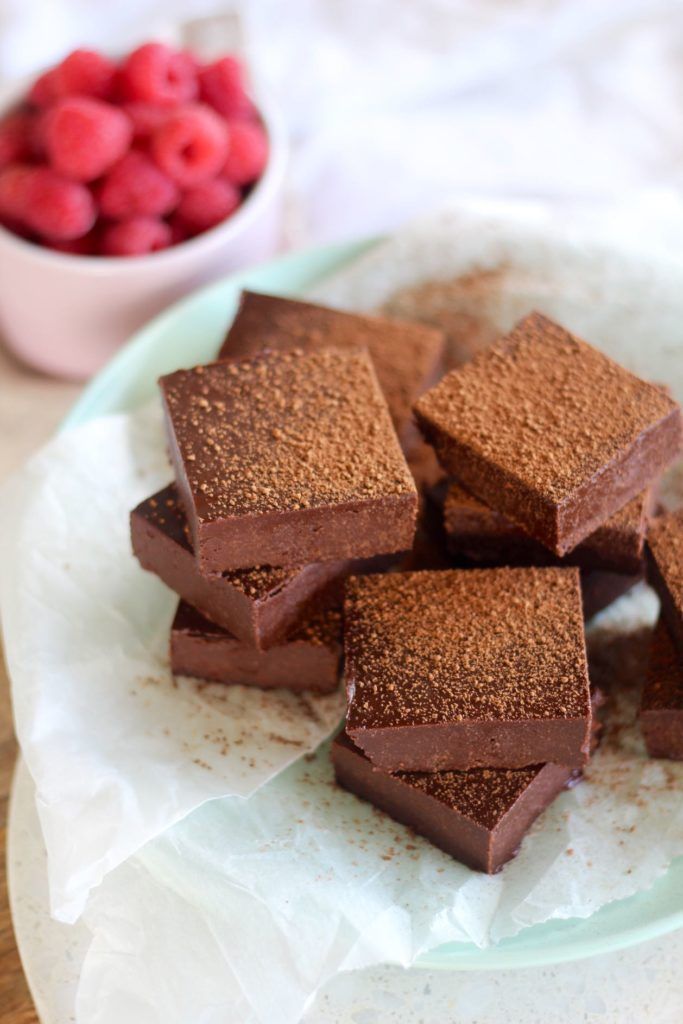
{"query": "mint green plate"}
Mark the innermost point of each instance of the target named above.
(189, 333)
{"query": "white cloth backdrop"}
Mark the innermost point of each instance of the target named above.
(395, 106)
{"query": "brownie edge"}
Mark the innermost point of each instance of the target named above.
(479, 817)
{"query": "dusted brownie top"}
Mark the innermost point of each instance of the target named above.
(484, 795)
(284, 431)
(428, 647)
(406, 355)
(663, 688)
(545, 407)
(164, 511)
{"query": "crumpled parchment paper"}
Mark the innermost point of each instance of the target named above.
(304, 880)
(301, 880)
(118, 751)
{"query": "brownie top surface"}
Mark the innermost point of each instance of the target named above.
(545, 407)
(484, 795)
(405, 355)
(284, 432)
(663, 688)
(429, 647)
(165, 513)
(665, 541)
(320, 627)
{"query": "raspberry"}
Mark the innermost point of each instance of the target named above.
(122, 157)
(208, 204)
(179, 231)
(56, 208)
(16, 137)
(191, 145)
(145, 118)
(13, 192)
(45, 89)
(221, 85)
(85, 137)
(136, 187)
(85, 246)
(247, 152)
(135, 237)
(85, 73)
(155, 73)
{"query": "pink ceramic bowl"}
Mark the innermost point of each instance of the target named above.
(67, 315)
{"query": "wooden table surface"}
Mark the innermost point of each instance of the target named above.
(30, 408)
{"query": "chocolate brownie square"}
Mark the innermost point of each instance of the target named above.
(258, 606)
(407, 356)
(288, 458)
(308, 659)
(482, 534)
(549, 431)
(665, 569)
(479, 816)
(467, 668)
(661, 708)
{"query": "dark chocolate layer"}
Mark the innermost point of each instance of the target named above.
(550, 432)
(665, 569)
(478, 816)
(258, 606)
(407, 356)
(308, 660)
(661, 708)
(484, 535)
(467, 668)
(600, 589)
(286, 459)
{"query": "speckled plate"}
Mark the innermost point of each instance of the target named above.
(190, 332)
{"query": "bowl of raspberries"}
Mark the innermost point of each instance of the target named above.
(124, 184)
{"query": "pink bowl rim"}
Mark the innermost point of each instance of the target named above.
(263, 191)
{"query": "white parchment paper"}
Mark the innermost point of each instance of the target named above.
(117, 750)
(286, 880)
(304, 880)
(614, 988)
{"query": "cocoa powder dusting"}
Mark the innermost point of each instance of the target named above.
(283, 432)
(544, 406)
(406, 355)
(483, 795)
(426, 647)
(165, 510)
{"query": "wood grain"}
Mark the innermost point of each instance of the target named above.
(30, 408)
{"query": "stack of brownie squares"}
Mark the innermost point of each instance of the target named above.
(469, 702)
(290, 472)
(291, 537)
